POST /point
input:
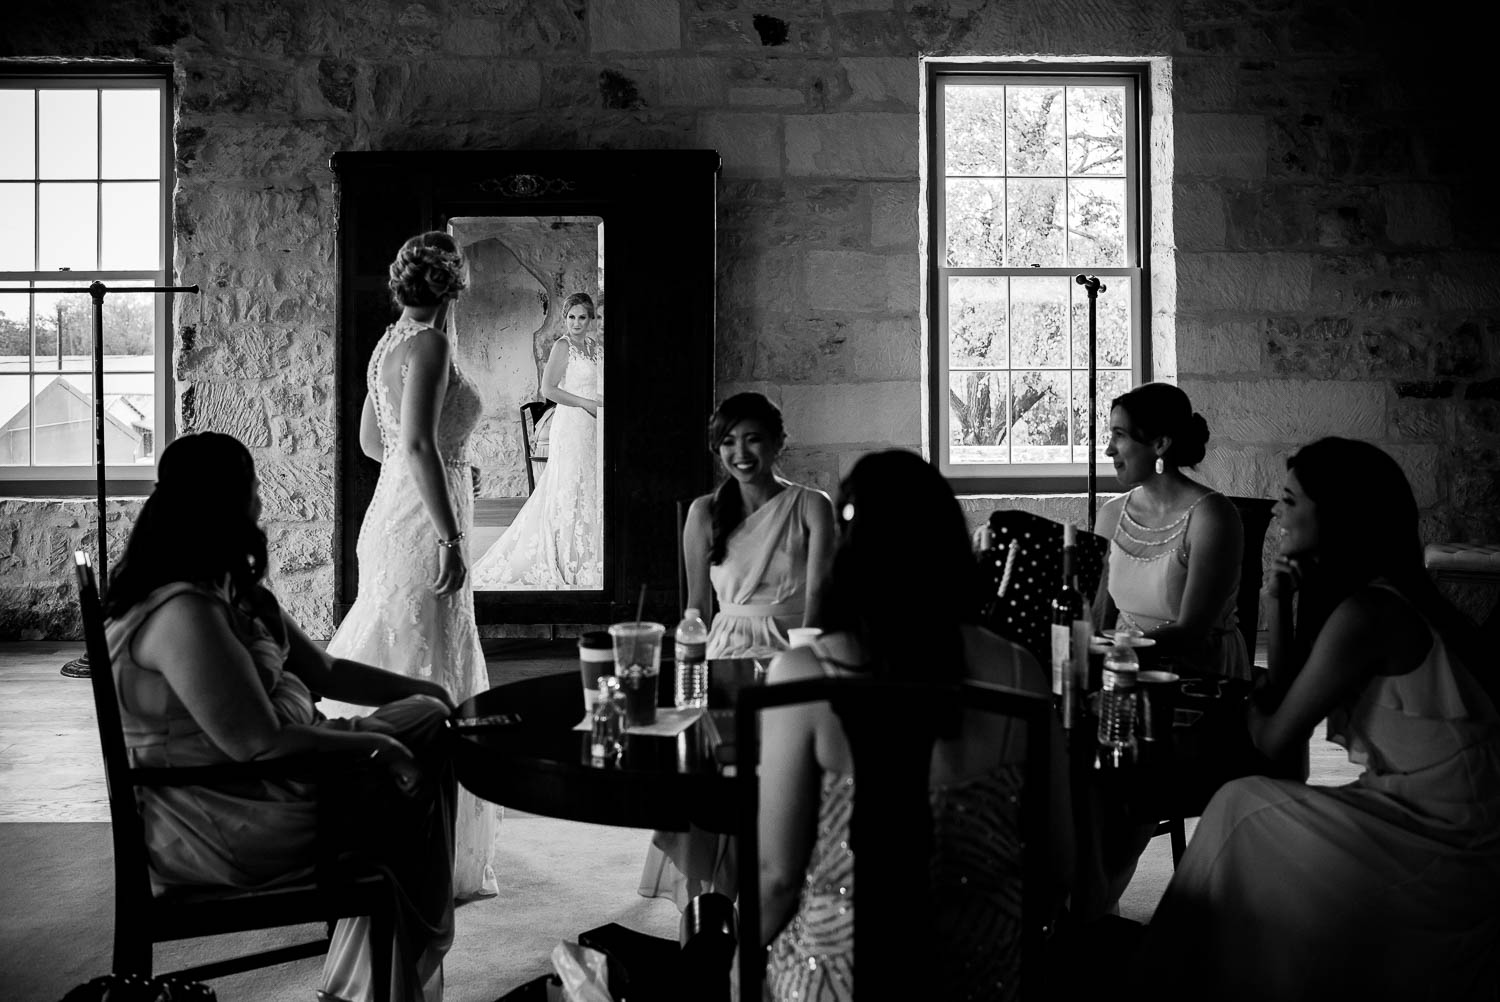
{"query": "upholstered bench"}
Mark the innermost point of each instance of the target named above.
(1464, 561)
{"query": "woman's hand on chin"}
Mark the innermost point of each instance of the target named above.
(1284, 576)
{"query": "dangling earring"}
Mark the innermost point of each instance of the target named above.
(1161, 467)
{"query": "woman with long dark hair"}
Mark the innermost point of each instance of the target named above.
(1286, 889)
(761, 545)
(209, 670)
(901, 604)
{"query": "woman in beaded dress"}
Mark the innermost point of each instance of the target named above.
(1175, 545)
(415, 612)
(900, 526)
(555, 541)
(1386, 887)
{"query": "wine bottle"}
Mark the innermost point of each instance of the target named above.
(1067, 610)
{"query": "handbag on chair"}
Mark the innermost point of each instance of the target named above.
(1022, 570)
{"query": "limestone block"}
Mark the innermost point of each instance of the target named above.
(1280, 411)
(516, 28)
(821, 348)
(1198, 216)
(1422, 420)
(770, 276)
(786, 32)
(1464, 281)
(566, 85)
(874, 33)
(1204, 84)
(1424, 470)
(846, 6)
(1243, 471)
(301, 415)
(830, 414)
(634, 25)
(766, 97)
(244, 147)
(1334, 348)
(1097, 27)
(893, 214)
(1254, 283)
(854, 145)
(295, 548)
(236, 409)
(296, 490)
(862, 283)
(759, 214)
(1475, 481)
(258, 288)
(1269, 216)
(882, 81)
(1477, 420)
(221, 219)
(1207, 348)
(1368, 283)
(693, 81)
(407, 90)
(1458, 351)
(307, 597)
(258, 351)
(811, 467)
(272, 89)
(750, 144)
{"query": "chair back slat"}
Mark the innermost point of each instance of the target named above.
(132, 881)
(882, 720)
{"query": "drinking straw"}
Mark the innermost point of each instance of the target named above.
(635, 638)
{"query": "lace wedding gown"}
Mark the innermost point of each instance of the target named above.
(554, 543)
(397, 622)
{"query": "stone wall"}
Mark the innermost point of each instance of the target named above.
(1329, 268)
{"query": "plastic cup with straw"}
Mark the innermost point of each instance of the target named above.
(638, 663)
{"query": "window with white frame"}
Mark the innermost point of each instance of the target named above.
(1033, 179)
(84, 178)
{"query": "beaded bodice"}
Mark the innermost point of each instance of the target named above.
(461, 408)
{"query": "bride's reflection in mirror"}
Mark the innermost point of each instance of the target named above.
(533, 286)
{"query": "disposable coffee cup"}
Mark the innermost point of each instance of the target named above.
(596, 657)
(637, 648)
(801, 636)
(1158, 691)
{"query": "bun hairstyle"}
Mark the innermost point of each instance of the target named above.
(196, 526)
(1161, 410)
(727, 509)
(428, 270)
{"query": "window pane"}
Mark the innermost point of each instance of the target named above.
(132, 133)
(17, 227)
(63, 406)
(69, 135)
(1034, 130)
(976, 322)
(1108, 385)
(975, 220)
(15, 419)
(976, 417)
(72, 313)
(974, 123)
(1096, 130)
(1039, 321)
(68, 219)
(131, 237)
(1096, 223)
(129, 418)
(18, 126)
(1039, 429)
(1112, 324)
(129, 328)
(1034, 223)
(15, 329)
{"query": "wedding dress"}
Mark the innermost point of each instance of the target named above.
(554, 543)
(397, 622)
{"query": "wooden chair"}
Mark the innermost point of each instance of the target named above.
(143, 918)
(531, 416)
(890, 816)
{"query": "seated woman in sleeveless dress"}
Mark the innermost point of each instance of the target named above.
(901, 605)
(1386, 887)
(209, 671)
(763, 543)
(1175, 545)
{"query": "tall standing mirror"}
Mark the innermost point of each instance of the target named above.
(575, 501)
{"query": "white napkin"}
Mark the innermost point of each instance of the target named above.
(669, 723)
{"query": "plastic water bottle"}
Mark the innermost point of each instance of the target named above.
(608, 722)
(1117, 703)
(691, 688)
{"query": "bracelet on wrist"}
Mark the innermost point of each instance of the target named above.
(449, 544)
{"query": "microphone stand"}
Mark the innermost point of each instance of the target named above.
(79, 667)
(1093, 287)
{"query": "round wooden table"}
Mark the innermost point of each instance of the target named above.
(515, 745)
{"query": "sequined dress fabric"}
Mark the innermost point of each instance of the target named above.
(555, 541)
(976, 885)
(397, 623)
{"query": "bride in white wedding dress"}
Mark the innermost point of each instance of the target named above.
(415, 613)
(554, 542)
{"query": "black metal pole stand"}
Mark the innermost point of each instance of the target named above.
(79, 667)
(1093, 287)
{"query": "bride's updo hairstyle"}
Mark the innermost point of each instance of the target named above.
(727, 510)
(1161, 410)
(198, 524)
(576, 299)
(429, 269)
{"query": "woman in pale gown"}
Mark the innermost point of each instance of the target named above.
(555, 541)
(414, 612)
(209, 670)
(902, 606)
(1385, 887)
(764, 544)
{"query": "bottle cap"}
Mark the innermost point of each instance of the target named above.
(692, 612)
(598, 640)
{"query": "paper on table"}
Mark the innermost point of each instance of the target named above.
(669, 723)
